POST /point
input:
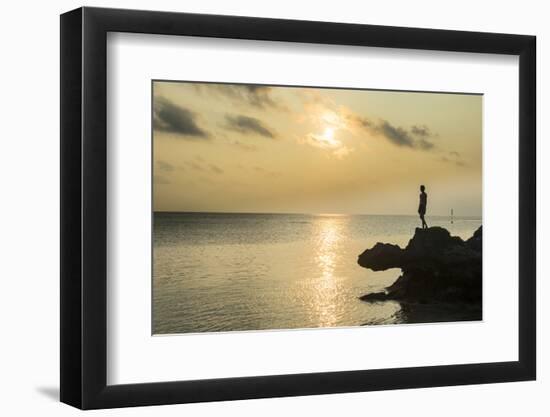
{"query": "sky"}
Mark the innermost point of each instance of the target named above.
(282, 149)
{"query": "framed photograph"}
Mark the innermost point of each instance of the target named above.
(257, 207)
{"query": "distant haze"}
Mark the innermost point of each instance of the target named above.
(252, 148)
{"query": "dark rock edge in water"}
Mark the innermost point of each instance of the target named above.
(441, 276)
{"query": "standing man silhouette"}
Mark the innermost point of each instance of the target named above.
(422, 206)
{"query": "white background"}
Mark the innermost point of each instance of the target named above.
(134, 356)
(30, 204)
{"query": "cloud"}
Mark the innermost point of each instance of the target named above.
(397, 135)
(165, 166)
(417, 137)
(194, 165)
(244, 146)
(200, 165)
(454, 158)
(424, 135)
(248, 125)
(320, 141)
(342, 152)
(169, 117)
(364, 122)
(258, 96)
(216, 169)
(424, 144)
(422, 131)
(328, 142)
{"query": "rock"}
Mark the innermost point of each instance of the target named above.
(381, 257)
(374, 296)
(436, 267)
(475, 242)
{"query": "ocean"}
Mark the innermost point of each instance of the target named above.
(217, 272)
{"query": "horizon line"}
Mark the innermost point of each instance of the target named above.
(309, 214)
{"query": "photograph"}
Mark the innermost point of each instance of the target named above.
(280, 207)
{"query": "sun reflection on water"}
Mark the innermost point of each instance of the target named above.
(325, 289)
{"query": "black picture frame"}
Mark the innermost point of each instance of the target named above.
(84, 207)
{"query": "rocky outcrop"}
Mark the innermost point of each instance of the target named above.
(436, 267)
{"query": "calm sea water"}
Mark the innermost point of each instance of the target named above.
(234, 272)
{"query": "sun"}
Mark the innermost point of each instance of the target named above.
(329, 133)
(328, 137)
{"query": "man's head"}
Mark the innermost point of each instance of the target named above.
(422, 188)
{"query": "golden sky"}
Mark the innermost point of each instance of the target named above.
(255, 148)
